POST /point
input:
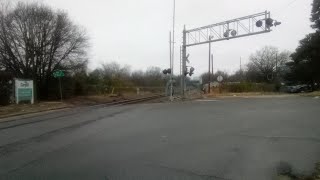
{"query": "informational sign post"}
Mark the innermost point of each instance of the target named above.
(24, 91)
(59, 74)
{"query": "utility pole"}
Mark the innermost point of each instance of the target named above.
(240, 65)
(212, 64)
(181, 69)
(240, 68)
(173, 32)
(171, 62)
(209, 73)
(184, 62)
(172, 52)
(277, 65)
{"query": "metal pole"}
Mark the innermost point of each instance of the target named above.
(209, 73)
(240, 69)
(172, 52)
(277, 65)
(181, 69)
(173, 33)
(240, 65)
(60, 88)
(184, 62)
(212, 64)
(170, 81)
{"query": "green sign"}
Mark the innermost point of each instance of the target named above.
(24, 90)
(25, 94)
(58, 74)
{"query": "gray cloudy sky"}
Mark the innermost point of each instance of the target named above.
(136, 32)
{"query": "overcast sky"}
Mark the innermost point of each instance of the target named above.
(136, 32)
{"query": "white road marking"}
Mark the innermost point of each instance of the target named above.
(207, 100)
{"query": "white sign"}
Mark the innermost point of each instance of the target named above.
(24, 90)
(220, 78)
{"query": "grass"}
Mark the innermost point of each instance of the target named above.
(312, 94)
(21, 109)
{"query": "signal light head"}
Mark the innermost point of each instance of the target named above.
(191, 71)
(166, 71)
(226, 34)
(259, 23)
(233, 33)
(269, 22)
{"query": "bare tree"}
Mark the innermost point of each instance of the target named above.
(153, 76)
(266, 62)
(36, 40)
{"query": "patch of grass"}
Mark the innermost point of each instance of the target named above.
(312, 94)
(249, 87)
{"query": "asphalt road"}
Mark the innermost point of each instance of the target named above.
(233, 138)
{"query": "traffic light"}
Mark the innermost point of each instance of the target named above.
(166, 71)
(226, 34)
(233, 33)
(186, 72)
(259, 23)
(191, 71)
(269, 22)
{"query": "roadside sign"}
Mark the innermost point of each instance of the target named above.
(58, 74)
(220, 78)
(24, 90)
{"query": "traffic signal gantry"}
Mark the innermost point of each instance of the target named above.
(236, 28)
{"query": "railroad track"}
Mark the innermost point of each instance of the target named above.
(41, 118)
(133, 101)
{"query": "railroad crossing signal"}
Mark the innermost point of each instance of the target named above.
(191, 71)
(167, 71)
(240, 27)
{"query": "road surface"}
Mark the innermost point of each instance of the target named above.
(231, 138)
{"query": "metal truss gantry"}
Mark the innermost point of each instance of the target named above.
(236, 28)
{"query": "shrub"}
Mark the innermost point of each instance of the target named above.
(248, 87)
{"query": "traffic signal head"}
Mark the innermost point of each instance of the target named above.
(166, 71)
(226, 34)
(191, 71)
(186, 72)
(259, 23)
(233, 33)
(269, 22)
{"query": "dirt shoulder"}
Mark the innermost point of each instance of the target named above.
(22, 109)
(249, 94)
(44, 106)
(315, 94)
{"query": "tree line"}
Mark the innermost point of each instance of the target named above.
(36, 40)
(269, 65)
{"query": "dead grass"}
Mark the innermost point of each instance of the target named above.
(247, 94)
(312, 94)
(21, 109)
